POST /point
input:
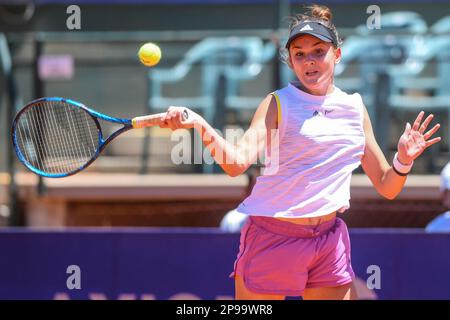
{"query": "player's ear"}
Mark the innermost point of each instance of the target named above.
(337, 55)
(289, 61)
(286, 57)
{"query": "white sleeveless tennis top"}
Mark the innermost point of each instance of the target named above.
(322, 141)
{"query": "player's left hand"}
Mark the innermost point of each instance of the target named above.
(415, 140)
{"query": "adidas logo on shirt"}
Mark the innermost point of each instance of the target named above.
(320, 113)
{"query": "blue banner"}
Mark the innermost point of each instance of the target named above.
(154, 263)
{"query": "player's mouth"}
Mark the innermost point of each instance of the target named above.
(311, 73)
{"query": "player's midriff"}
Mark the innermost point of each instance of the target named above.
(310, 221)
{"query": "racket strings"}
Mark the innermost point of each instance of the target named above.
(56, 137)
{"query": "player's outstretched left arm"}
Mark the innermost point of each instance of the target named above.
(389, 179)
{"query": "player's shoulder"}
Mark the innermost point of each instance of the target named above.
(353, 95)
(354, 98)
(288, 89)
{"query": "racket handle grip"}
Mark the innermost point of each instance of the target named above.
(152, 120)
(148, 121)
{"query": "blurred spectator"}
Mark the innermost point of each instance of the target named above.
(442, 222)
(233, 221)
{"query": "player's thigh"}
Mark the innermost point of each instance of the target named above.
(242, 293)
(344, 292)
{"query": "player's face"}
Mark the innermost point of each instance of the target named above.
(313, 62)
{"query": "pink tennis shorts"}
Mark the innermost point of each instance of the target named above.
(279, 257)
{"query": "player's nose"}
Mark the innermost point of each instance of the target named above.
(309, 60)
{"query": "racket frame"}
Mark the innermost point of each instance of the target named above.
(95, 115)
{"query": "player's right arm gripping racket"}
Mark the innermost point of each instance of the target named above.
(57, 137)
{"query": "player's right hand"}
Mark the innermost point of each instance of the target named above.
(181, 118)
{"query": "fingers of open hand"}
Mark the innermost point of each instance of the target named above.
(425, 124)
(418, 121)
(432, 131)
(433, 141)
(420, 141)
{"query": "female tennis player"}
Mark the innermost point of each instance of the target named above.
(293, 244)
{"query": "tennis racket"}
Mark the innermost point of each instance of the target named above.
(57, 137)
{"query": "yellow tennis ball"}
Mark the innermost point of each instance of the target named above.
(149, 54)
